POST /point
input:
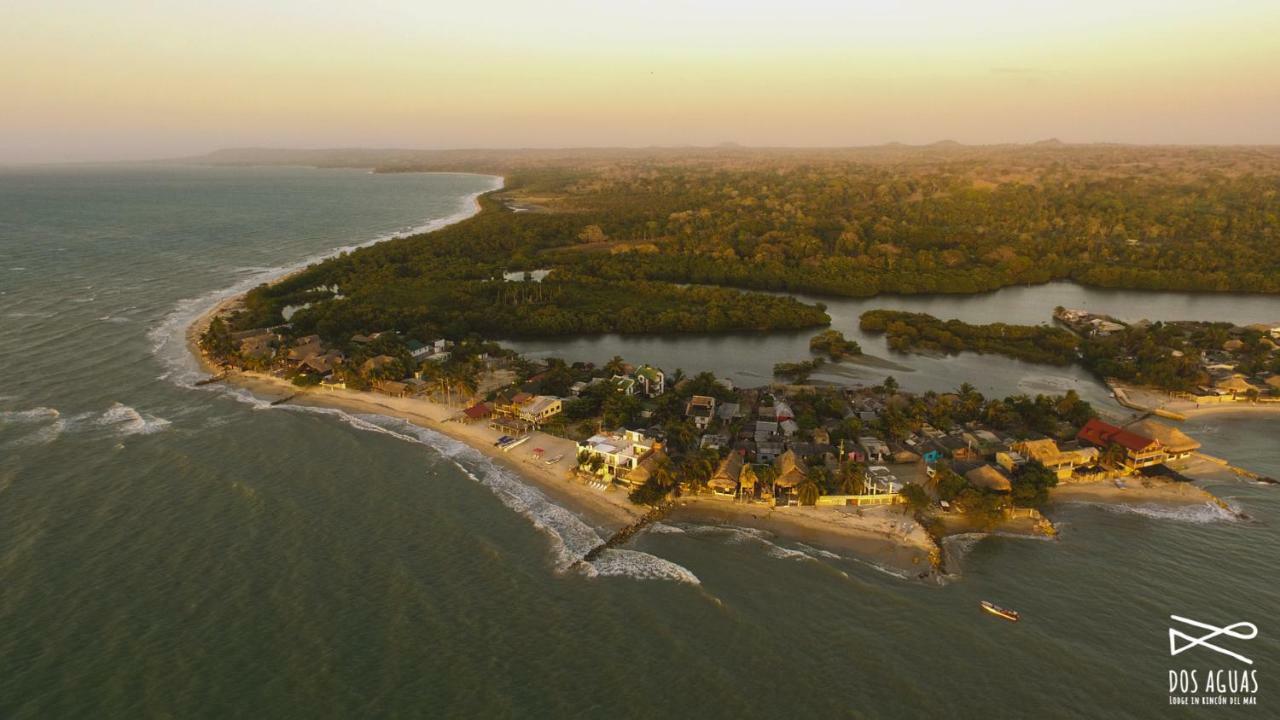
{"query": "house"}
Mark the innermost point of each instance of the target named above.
(782, 412)
(532, 409)
(259, 347)
(880, 481)
(377, 364)
(713, 441)
(724, 481)
(619, 452)
(322, 364)
(988, 478)
(873, 448)
(305, 347)
(792, 471)
(727, 411)
(577, 388)
(765, 431)
(932, 452)
(1236, 385)
(1061, 462)
(477, 412)
(768, 451)
(650, 381)
(624, 384)
(391, 387)
(1140, 451)
(789, 427)
(701, 409)
(1177, 444)
(957, 448)
(1010, 460)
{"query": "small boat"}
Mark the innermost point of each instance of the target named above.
(554, 460)
(515, 444)
(1010, 615)
(1120, 483)
(502, 440)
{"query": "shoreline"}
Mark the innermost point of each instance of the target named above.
(868, 536)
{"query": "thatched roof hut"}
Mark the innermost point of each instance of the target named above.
(645, 468)
(726, 477)
(1174, 440)
(791, 470)
(1235, 384)
(986, 476)
(747, 480)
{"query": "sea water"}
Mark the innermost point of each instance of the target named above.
(168, 550)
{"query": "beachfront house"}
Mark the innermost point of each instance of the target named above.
(1177, 444)
(1046, 452)
(987, 477)
(792, 472)
(724, 481)
(614, 455)
(528, 409)
(1139, 450)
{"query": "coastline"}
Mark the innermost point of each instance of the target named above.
(889, 541)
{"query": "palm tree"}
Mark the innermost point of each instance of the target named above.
(1112, 456)
(850, 481)
(697, 471)
(808, 492)
(677, 376)
(664, 474)
(615, 365)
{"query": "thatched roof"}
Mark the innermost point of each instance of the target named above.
(748, 480)
(985, 476)
(1174, 440)
(646, 466)
(727, 475)
(1235, 383)
(791, 470)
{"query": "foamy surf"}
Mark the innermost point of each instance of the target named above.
(168, 337)
(1199, 514)
(569, 536)
(125, 420)
(36, 414)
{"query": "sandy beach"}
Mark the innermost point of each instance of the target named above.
(1144, 491)
(1157, 400)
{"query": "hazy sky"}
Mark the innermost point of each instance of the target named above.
(133, 79)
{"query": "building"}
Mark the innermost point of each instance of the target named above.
(1177, 444)
(526, 408)
(792, 471)
(477, 412)
(650, 381)
(987, 477)
(702, 409)
(724, 481)
(1139, 450)
(624, 384)
(305, 347)
(619, 453)
(873, 448)
(1062, 462)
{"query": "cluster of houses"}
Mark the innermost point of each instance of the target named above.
(1224, 377)
(307, 356)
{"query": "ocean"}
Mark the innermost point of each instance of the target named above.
(174, 551)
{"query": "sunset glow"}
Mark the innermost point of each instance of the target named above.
(143, 79)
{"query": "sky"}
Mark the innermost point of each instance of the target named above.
(132, 79)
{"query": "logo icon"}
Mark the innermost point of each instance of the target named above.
(1239, 631)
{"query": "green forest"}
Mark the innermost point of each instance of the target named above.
(907, 332)
(623, 233)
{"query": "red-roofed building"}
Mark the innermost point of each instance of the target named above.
(1140, 451)
(479, 411)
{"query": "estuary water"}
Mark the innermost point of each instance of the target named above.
(171, 551)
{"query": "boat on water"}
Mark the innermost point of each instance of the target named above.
(1010, 615)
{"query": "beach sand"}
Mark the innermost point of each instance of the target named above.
(1137, 491)
(882, 535)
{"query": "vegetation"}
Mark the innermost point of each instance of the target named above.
(833, 344)
(908, 331)
(797, 372)
(1031, 483)
(625, 232)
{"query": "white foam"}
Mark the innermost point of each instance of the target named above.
(127, 421)
(43, 436)
(168, 337)
(569, 535)
(1199, 514)
(37, 414)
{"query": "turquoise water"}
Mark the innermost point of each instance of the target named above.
(167, 551)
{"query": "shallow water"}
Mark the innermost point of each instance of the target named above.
(166, 550)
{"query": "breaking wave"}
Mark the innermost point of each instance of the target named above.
(1199, 514)
(127, 421)
(569, 535)
(168, 337)
(37, 414)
